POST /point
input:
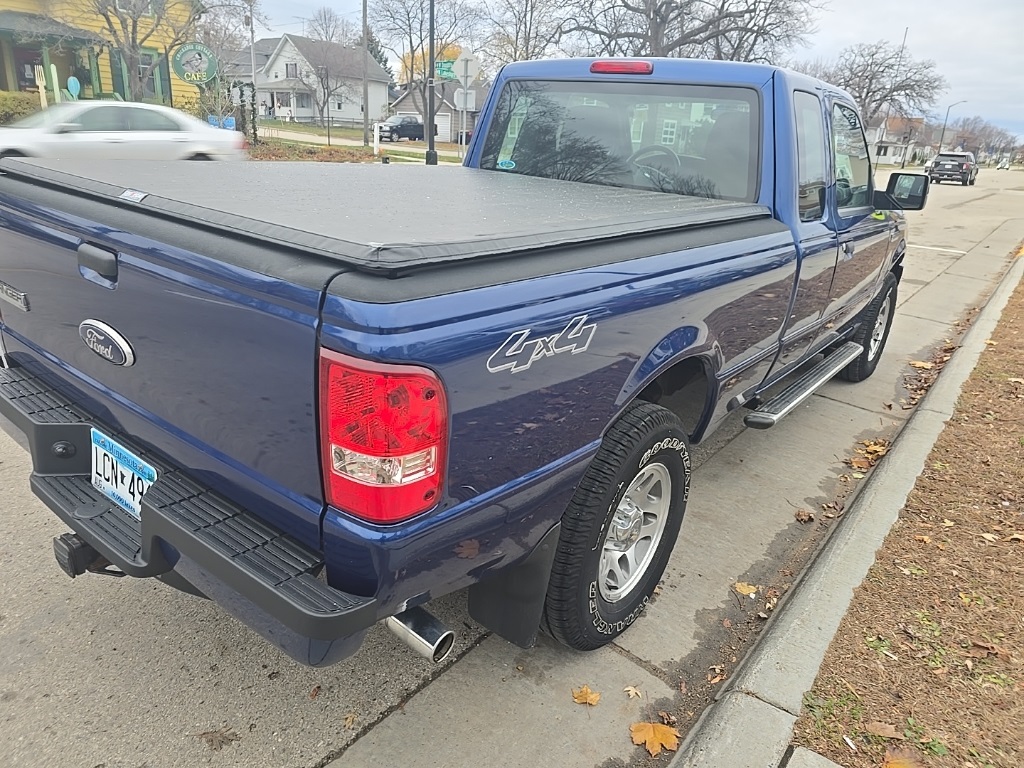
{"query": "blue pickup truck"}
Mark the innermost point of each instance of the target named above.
(253, 385)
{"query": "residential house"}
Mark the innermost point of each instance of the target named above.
(901, 140)
(447, 105)
(287, 82)
(65, 34)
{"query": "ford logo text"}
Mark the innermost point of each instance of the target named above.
(106, 342)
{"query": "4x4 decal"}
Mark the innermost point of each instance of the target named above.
(520, 351)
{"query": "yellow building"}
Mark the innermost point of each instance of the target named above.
(73, 37)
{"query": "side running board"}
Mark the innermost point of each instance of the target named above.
(772, 412)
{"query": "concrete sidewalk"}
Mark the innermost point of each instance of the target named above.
(750, 725)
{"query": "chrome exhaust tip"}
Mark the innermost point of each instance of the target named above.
(422, 632)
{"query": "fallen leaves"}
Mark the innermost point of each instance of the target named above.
(803, 516)
(218, 739)
(884, 730)
(747, 590)
(632, 692)
(586, 696)
(667, 718)
(315, 692)
(922, 365)
(349, 721)
(468, 549)
(980, 649)
(654, 737)
(901, 758)
(716, 674)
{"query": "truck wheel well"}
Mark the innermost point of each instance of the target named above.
(683, 389)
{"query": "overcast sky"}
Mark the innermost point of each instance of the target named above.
(977, 44)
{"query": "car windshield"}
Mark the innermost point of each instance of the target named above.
(55, 115)
(694, 140)
(393, 121)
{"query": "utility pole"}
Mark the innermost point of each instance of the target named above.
(252, 57)
(366, 80)
(428, 127)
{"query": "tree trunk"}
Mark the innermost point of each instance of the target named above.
(135, 82)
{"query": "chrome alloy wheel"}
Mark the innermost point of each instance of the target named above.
(878, 332)
(635, 531)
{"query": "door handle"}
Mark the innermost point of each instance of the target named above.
(100, 261)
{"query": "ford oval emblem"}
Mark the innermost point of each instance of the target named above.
(106, 342)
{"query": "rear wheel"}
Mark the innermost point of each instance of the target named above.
(619, 529)
(965, 180)
(873, 332)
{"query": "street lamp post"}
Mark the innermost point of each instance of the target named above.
(428, 127)
(942, 136)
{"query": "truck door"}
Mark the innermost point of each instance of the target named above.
(864, 235)
(817, 241)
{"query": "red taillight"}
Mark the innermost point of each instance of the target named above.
(966, 166)
(384, 437)
(622, 67)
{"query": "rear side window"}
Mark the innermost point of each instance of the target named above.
(853, 166)
(811, 165)
(148, 120)
(701, 141)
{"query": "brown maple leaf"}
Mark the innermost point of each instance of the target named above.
(468, 549)
(632, 691)
(803, 516)
(586, 696)
(884, 730)
(654, 737)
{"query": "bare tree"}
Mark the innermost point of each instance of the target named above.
(521, 30)
(770, 29)
(979, 135)
(403, 27)
(327, 25)
(746, 29)
(881, 80)
(131, 26)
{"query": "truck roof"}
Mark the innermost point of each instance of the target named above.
(374, 217)
(691, 70)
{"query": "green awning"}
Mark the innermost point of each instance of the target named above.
(33, 27)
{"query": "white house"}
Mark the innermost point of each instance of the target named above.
(291, 70)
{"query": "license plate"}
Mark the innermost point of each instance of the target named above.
(949, 165)
(119, 474)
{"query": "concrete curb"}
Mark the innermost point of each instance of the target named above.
(750, 723)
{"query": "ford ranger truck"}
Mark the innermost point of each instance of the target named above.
(251, 384)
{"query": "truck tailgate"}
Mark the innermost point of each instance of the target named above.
(220, 375)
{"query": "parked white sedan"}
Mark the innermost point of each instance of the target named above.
(115, 130)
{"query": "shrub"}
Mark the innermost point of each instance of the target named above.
(15, 105)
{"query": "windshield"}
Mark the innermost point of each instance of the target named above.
(393, 120)
(54, 115)
(694, 140)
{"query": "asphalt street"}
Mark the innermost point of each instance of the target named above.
(126, 673)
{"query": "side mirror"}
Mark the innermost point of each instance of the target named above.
(905, 192)
(66, 128)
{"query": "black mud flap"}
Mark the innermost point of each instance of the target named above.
(512, 603)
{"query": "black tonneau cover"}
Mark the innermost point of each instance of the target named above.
(380, 218)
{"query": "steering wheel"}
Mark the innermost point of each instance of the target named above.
(654, 149)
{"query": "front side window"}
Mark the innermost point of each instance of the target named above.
(695, 140)
(853, 166)
(810, 151)
(103, 120)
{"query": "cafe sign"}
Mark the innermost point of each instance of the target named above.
(194, 63)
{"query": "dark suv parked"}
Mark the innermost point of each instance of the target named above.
(402, 127)
(954, 166)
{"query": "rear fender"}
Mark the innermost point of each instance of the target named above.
(684, 361)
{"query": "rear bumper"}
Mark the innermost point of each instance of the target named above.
(957, 175)
(258, 574)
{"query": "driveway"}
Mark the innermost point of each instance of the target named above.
(125, 673)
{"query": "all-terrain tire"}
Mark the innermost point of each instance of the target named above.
(647, 440)
(875, 322)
